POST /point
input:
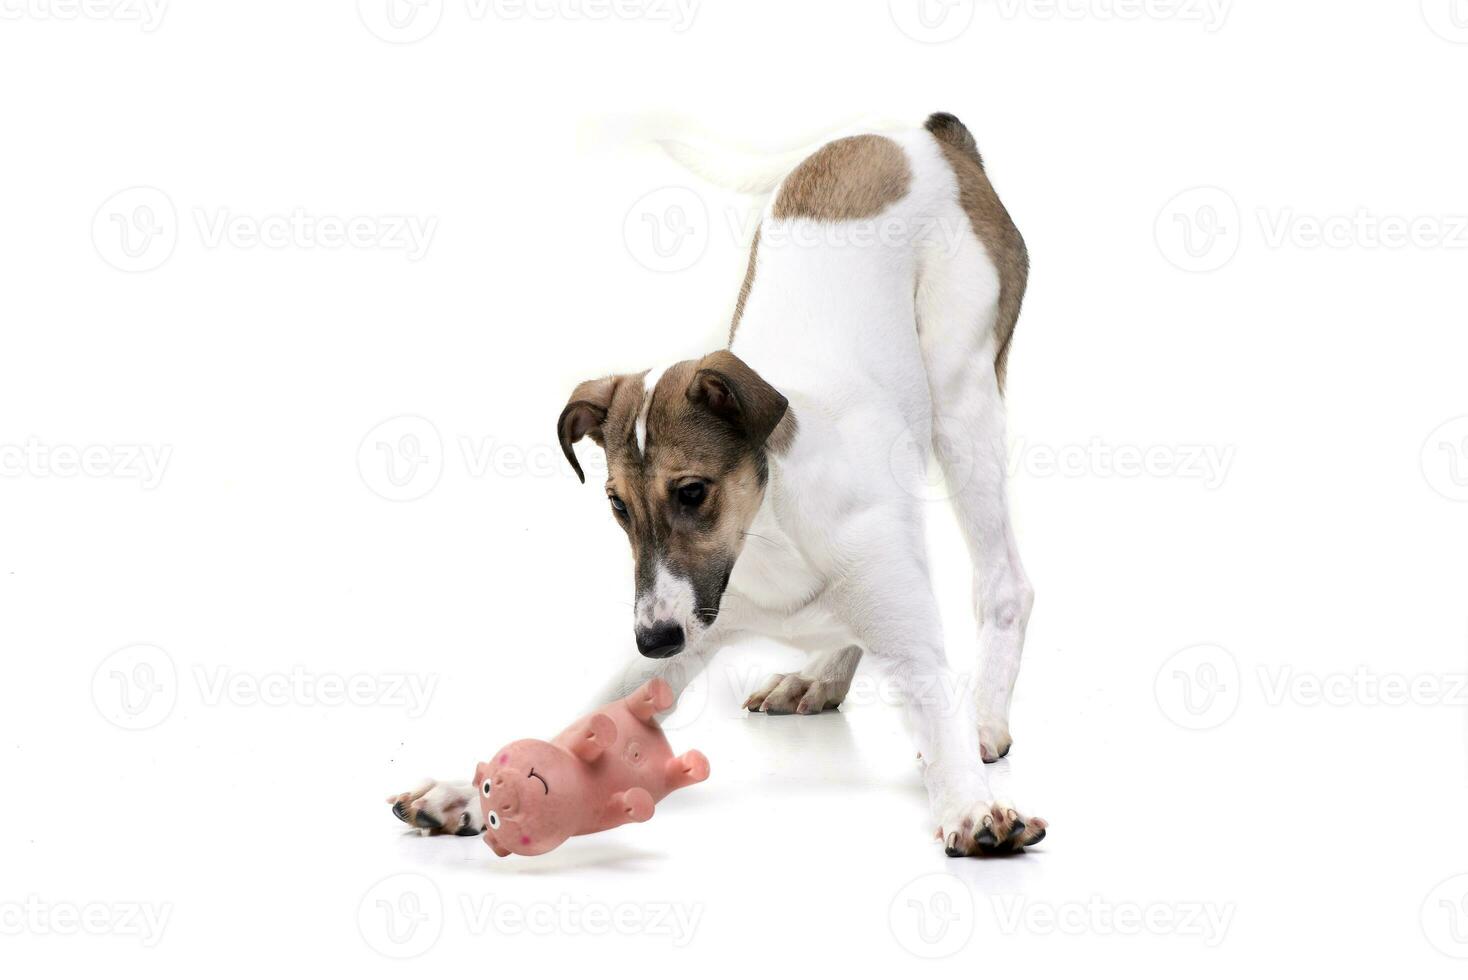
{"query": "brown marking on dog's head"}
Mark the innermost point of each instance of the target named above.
(687, 467)
(848, 179)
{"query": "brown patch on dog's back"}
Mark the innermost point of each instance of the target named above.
(991, 223)
(851, 178)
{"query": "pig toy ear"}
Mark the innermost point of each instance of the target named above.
(593, 736)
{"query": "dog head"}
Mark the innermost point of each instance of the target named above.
(686, 463)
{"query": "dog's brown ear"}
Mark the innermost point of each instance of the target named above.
(732, 390)
(583, 416)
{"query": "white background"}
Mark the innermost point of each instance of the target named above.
(1209, 714)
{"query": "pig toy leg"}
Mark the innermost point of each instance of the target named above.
(685, 770)
(630, 806)
(649, 699)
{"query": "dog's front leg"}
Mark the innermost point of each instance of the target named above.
(890, 607)
(439, 806)
(451, 806)
(823, 684)
(679, 670)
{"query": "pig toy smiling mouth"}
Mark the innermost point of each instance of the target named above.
(607, 769)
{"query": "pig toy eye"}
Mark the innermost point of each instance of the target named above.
(494, 820)
(487, 787)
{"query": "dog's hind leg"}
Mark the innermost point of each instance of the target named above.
(971, 282)
(889, 605)
(969, 443)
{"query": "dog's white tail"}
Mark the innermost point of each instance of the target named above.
(732, 169)
(724, 165)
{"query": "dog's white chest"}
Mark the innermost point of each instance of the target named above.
(777, 592)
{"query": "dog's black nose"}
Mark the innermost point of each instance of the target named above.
(660, 640)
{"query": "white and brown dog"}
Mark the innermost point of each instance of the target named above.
(763, 488)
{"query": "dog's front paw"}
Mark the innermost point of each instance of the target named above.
(785, 694)
(440, 808)
(988, 829)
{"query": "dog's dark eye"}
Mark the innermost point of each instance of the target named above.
(691, 494)
(618, 504)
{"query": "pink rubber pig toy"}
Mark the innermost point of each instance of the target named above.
(607, 769)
